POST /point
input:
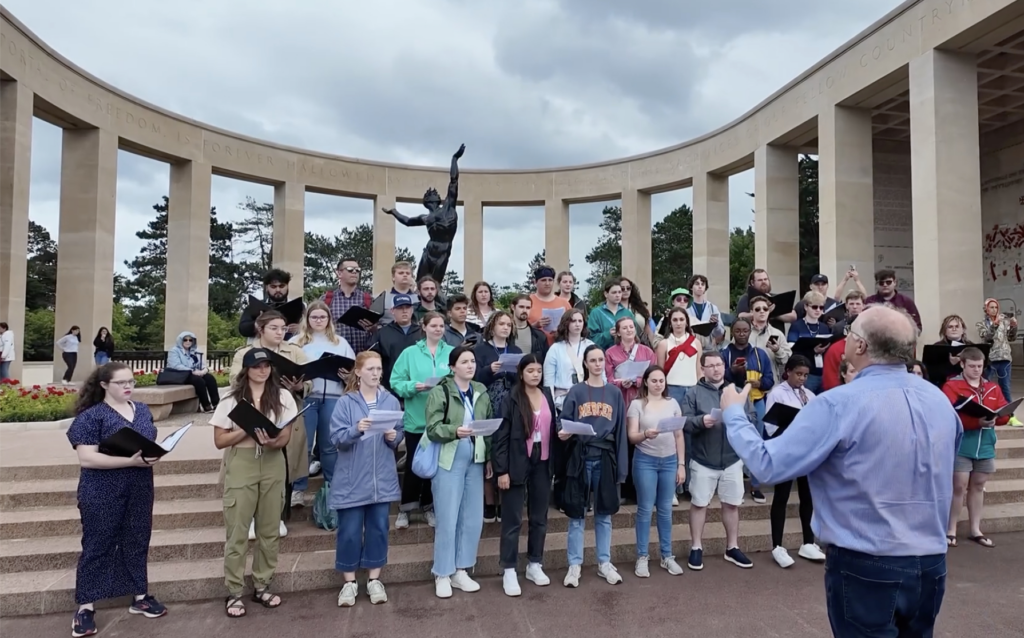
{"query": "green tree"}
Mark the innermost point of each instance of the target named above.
(256, 235)
(810, 263)
(38, 335)
(124, 332)
(41, 279)
(323, 254)
(605, 258)
(671, 255)
(503, 295)
(452, 284)
(741, 262)
(222, 333)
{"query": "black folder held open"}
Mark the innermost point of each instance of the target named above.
(326, 367)
(127, 442)
(246, 416)
(781, 415)
(970, 407)
(292, 310)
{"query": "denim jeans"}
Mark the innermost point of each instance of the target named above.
(759, 411)
(362, 540)
(5, 369)
(602, 524)
(459, 507)
(318, 430)
(678, 392)
(999, 373)
(655, 479)
(884, 596)
(813, 383)
(101, 358)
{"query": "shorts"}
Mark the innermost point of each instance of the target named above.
(704, 482)
(984, 466)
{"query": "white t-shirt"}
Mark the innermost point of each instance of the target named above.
(227, 404)
(665, 443)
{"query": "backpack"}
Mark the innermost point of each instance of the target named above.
(329, 295)
(323, 516)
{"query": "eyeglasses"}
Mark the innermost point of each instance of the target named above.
(318, 317)
(351, 269)
(764, 309)
(186, 340)
(130, 383)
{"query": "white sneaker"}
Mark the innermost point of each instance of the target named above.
(348, 593)
(431, 518)
(314, 467)
(442, 587)
(298, 499)
(671, 566)
(402, 522)
(608, 572)
(282, 531)
(572, 577)
(252, 530)
(535, 574)
(461, 580)
(641, 569)
(675, 501)
(376, 590)
(510, 583)
(782, 557)
(812, 552)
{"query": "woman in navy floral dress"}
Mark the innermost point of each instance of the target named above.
(115, 499)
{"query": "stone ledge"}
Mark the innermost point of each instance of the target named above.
(32, 426)
(165, 400)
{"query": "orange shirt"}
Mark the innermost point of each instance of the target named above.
(536, 311)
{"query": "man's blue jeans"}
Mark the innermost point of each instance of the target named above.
(883, 596)
(759, 411)
(318, 430)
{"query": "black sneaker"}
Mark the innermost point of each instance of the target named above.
(490, 515)
(738, 558)
(696, 560)
(147, 606)
(84, 623)
(758, 496)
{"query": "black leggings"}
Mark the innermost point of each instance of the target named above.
(70, 360)
(206, 389)
(779, 501)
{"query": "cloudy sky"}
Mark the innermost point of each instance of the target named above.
(533, 83)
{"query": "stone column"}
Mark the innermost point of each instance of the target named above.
(556, 234)
(846, 222)
(711, 235)
(946, 187)
(636, 241)
(188, 254)
(85, 266)
(15, 178)
(289, 253)
(383, 243)
(777, 216)
(473, 244)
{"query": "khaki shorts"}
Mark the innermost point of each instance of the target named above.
(704, 482)
(984, 466)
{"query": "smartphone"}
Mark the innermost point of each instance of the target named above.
(740, 362)
(774, 339)
(852, 267)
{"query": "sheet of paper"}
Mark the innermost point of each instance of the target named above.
(631, 369)
(173, 438)
(672, 424)
(384, 420)
(509, 361)
(485, 427)
(716, 414)
(770, 428)
(555, 315)
(432, 381)
(819, 361)
(575, 427)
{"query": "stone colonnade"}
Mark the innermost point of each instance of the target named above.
(945, 173)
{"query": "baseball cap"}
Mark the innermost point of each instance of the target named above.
(256, 356)
(819, 279)
(678, 291)
(401, 299)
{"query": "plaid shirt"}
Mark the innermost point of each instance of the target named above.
(358, 338)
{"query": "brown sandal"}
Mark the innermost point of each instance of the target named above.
(266, 598)
(234, 602)
(950, 540)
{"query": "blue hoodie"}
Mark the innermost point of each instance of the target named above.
(178, 358)
(364, 472)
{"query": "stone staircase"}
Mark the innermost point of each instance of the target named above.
(40, 529)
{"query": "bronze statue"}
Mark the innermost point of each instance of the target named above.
(442, 221)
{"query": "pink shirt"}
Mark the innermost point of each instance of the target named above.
(541, 429)
(617, 355)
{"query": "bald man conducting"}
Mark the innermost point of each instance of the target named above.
(878, 454)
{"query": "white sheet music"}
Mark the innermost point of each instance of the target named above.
(172, 439)
(485, 427)
(575, 427)
(384, 420)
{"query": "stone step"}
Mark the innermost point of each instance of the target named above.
(1009, 434)
(52, 591)
(1010, 449)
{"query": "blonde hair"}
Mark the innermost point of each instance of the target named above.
(814, 298)
(352, 380)
(305, 336)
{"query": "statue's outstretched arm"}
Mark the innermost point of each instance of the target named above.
(416, 220)
(453, 184)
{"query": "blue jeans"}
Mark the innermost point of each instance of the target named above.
(602, 524)
(655, 480)
(362, 540)
(813, 383)
(759, 411)
(679, 392)
(318, 429)
(883, 596)
(5, 369)
(999, 373)
(459, 507)
(101, 358)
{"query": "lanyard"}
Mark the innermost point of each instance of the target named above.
(467, 404)
(503, 350)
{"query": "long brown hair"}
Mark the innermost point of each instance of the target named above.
(474, 305)
(351, 380)
(492, 322)
(519, 392)
(562, 333)
(644, 393)
(92, 393)
(270, 402)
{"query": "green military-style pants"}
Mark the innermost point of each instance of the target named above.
(253, 490)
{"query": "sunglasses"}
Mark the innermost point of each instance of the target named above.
(887, 282)
(816, 307)
(351, 269)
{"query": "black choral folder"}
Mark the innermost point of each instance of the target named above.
(127, 442)
(783, 302)
(781, 415)
(970, 407)
(838, 312)
(703, 329)
(355, 314)
(291, 310)
(326, 367)
(808, 344)
(246, 416)
(935, 357)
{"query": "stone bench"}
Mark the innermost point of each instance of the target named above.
(165, 400)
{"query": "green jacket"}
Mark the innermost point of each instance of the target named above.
(415, 365)
(978, 444)
(442, 429)
(601, 321)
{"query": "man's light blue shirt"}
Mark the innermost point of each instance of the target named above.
(878, 454)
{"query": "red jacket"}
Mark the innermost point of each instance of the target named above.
(830, 370)
(988, 394)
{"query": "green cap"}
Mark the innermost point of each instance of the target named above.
(678, 291)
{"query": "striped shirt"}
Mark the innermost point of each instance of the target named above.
(358, 338)
(878, 454)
